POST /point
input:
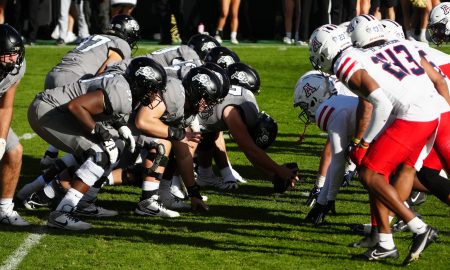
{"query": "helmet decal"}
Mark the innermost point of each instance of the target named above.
(309, 90)
(241, 76)
(445, 9)
(204, 80)
(315, 44)
(147, 72)
(226, 59)
(208, 46)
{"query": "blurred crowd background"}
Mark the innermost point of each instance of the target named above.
(174, 21)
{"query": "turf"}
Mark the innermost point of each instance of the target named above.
(251, 228)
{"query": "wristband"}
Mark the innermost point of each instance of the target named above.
(194, 191)
(176, 134)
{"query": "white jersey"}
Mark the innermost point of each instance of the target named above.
(409, 88)
(337, 116)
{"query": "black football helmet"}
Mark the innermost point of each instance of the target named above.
(243, 75)
(10, 43)
(125, 27)
(145, 77)
(202, 44)
(265, 131)
(222, 75)
(199, 83)
(222, 56)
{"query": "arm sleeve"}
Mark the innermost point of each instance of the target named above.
(382, 108)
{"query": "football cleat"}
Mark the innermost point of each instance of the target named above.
(215, 181)
(37, 200)
(378, 253)
(348, 177)
(400, 226)
(237, 176)
(171, 201)
(416, 198)
(66, 221)
(420, 243)
(10, 217)
(91, 209)
(153, 207)
(313, 195)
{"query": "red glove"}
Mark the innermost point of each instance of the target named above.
(358, 152)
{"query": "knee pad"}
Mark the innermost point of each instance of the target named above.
(98, 157)
(136, 180)
(90, 172)
(158, 159)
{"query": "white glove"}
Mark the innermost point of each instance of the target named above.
(2, 147)
(195, 125)
(125, 133)
(111, 149)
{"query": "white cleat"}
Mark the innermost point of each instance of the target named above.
(152, 207)
(66, 221)
(10, 217)
(237, 176)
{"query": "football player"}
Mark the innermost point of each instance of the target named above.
(318, 98)
(69, 118)
(384, 86)
(398, 52)
(12, 69)
(91, 57)
(252, 130)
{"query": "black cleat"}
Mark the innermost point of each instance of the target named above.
(378, 253)
(416, 198)
(420, 243)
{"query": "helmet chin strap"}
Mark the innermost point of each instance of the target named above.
(301, 136)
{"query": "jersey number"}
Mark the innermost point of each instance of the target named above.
(92, 42)
(394, 62)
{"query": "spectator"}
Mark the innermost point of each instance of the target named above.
(342, 11)
(2, 10)
(165, 9)
(225, 7)
(97, 14)
(63, 32)
(122, 7)
(383, 9)
(307, 10)
(362, 7)
(291, 10)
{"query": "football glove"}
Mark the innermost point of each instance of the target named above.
(313, 195)
(125, 133)
(281, 185)
(358, 152)
(111, 149)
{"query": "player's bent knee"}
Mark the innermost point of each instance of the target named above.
(89, 172)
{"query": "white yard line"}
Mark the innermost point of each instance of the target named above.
(27, 136)
(13, 261)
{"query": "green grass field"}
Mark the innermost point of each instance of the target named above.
(250, 228)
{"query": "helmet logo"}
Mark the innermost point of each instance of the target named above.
(315, 44)
(204, 80)
(147, 72)
(263, 137)
(227, 60)
(207, 46)
(134, 25)
(241, 76)
(309, 90)
(445, 9)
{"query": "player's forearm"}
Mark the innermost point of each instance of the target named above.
(5, 121)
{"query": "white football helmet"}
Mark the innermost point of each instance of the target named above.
(439, 23)
(311, 90)
(365, 29)
(393, 29)
(325, 44)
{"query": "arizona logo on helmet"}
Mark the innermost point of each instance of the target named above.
(241, 77)
(147, 72)
(315, 44)
(208, 46)
(203, 79)
(445, 9)
(309, 90)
